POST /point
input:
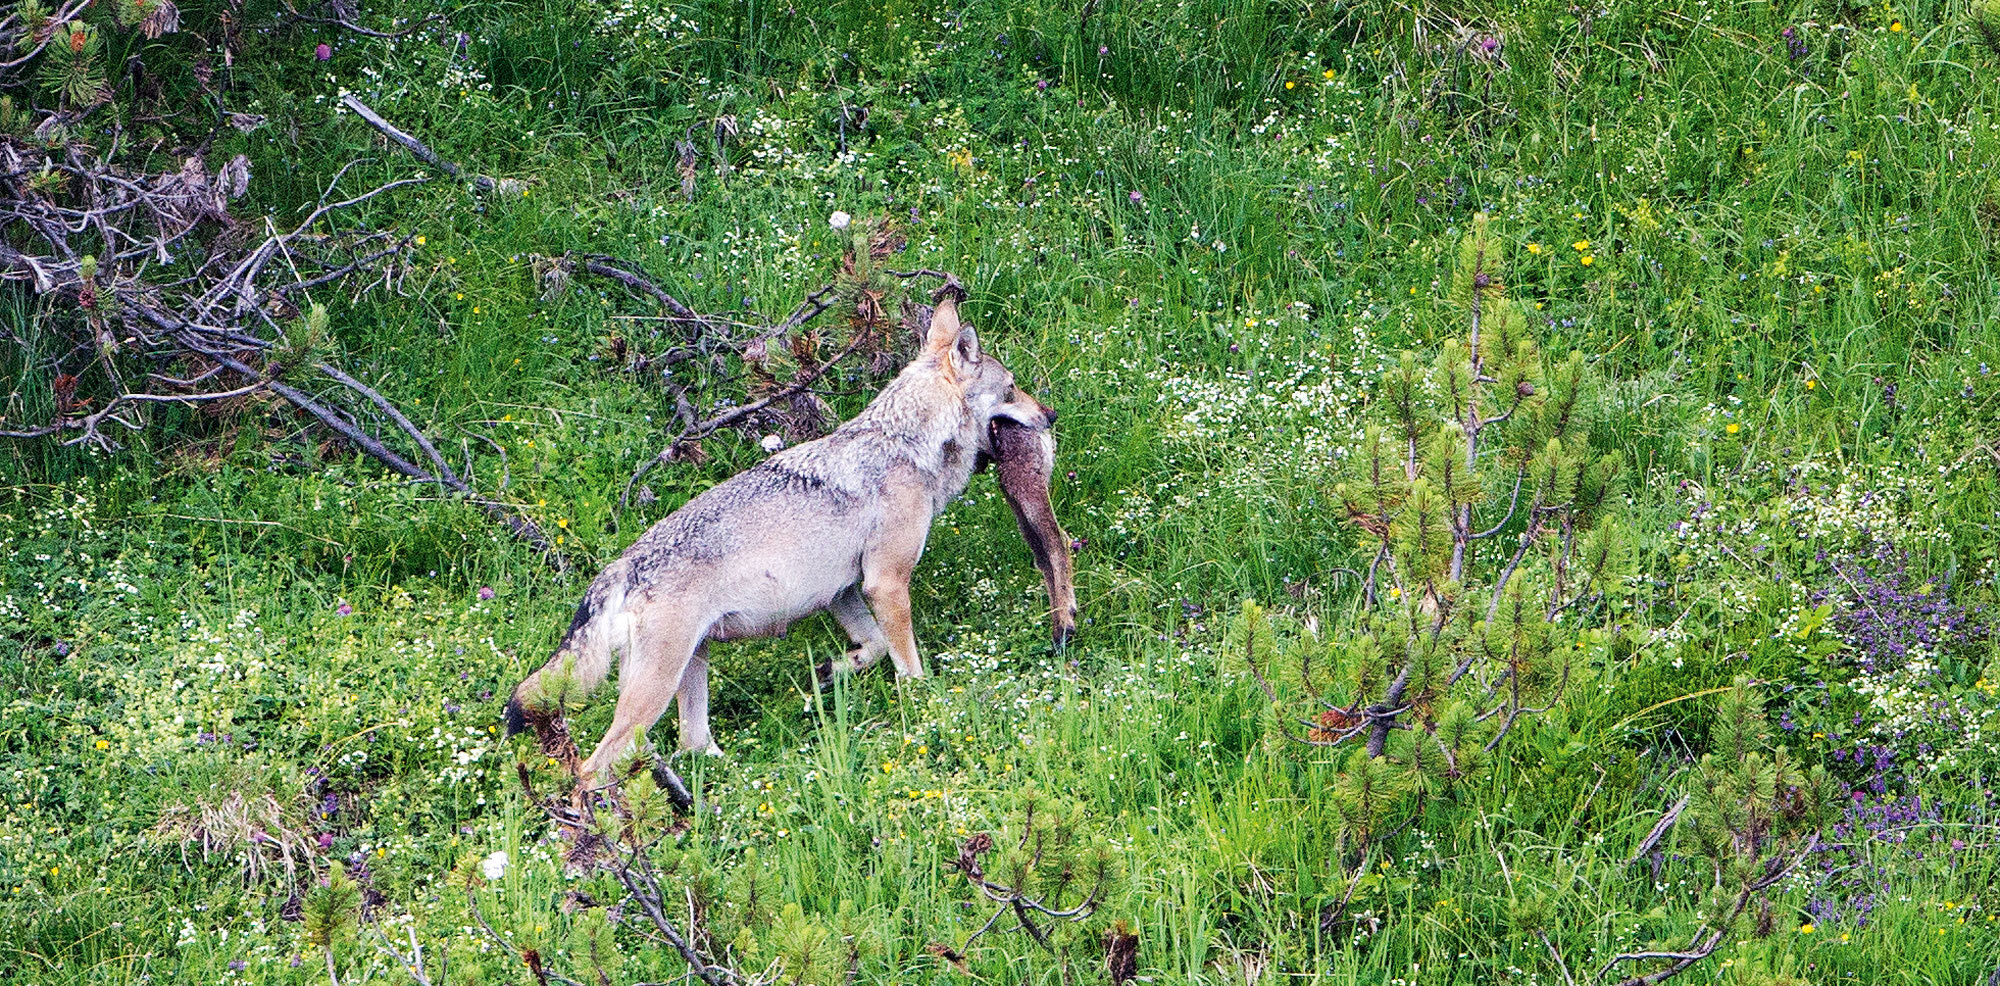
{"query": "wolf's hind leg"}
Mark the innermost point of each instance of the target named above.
(694, 705)
(851, 609)
(663, 645)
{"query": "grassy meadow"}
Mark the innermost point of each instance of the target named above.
(244, 666)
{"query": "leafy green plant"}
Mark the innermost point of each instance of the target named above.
(330, 914)
(1455, 641)
(1985, 19)
(1753, 814)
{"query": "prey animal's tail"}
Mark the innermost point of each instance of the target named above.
(582, 660)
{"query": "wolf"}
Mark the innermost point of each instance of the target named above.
(834, 524)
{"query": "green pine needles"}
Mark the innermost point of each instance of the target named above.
(73, 68)
(1985, 18)
(330, 914)
(1486, 514)
(1051, 871)
(1753, 814)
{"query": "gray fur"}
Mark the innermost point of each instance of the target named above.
(834, 523)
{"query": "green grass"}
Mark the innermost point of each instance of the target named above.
(1772, 244)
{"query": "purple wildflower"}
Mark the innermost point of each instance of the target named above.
(1135, 197)
(1885, 612)
(1795, 46)
(344, 609)
(323, 53)
(485, 592)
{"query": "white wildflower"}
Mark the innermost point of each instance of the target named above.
(494, 866)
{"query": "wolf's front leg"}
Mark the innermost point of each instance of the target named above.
(890, 598)
(886, 564)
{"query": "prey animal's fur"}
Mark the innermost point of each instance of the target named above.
(1025, 461)
(834, 524)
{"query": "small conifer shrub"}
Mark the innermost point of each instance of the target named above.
(1487, 515)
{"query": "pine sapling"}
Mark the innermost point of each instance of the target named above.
(1055, 872)
(1752, 815)
(1486, 510)
(329, 914)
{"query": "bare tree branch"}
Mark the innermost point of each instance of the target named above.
(226, 332)
(409, 143)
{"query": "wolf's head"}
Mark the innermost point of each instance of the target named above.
(990, 391)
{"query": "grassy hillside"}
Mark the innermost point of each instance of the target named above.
(239, 659)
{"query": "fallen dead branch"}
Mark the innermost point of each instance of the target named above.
(716, 344)
(150, 293)
(409, 143)
(793, 406)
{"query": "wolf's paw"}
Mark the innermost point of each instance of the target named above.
(831, 669)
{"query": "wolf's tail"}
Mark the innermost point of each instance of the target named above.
(582, 661)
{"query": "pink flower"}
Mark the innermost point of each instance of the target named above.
(485, 592)
(344, 609)
(323, 53)
(1136, 197)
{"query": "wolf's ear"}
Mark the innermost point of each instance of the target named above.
(944, 330)
(967, 347)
